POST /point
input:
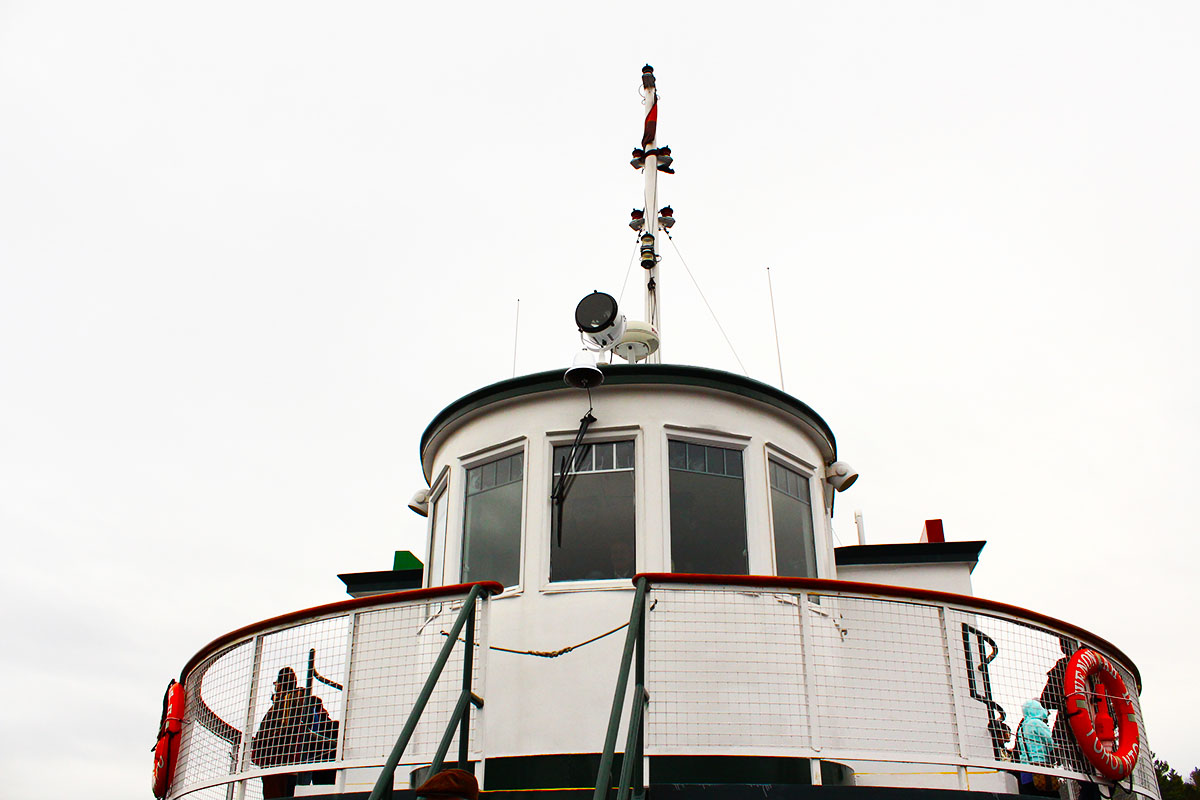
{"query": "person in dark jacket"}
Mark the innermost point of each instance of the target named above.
(296, 729)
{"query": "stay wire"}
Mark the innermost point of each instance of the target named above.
(696, 283)
(628, 269)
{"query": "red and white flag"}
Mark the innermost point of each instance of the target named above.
(651, 123)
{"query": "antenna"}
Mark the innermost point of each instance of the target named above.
(774, 322)
(516, 328)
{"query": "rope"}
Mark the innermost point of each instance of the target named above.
(552, 653)
(706, 303)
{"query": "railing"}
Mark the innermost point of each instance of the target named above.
(321, 693)
(818, 669)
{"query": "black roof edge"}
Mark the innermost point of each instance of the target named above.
(383, 580)
(908, 553)
(630, 375)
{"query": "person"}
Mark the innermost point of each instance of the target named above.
(1065, 750)
(1033, 734)
(450, 784)
(296, 729)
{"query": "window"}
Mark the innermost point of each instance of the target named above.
(708, 510)
(791, 517)
(593, 537)
(437, 539)
(492, 529)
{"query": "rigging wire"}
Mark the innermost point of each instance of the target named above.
(624, 283)
(775, 322)
(696, 283)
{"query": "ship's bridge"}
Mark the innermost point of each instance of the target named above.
(647, 570)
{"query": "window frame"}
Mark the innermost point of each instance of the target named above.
(619, 433)
(708, 438)
(477, 459)
(816, 505)
(438, 492)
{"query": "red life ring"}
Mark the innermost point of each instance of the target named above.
(167, 748)
(1119, 762)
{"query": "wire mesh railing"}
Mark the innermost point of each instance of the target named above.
(850, 672)
(291, 700)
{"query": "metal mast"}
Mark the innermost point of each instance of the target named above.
(652, 159)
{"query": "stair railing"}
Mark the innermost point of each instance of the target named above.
(460, 719)
(635, 645)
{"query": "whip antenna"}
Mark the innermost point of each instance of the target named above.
(775, 323)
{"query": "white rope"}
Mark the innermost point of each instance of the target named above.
(706, 303)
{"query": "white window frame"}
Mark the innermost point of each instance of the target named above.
(619, 433)
(476, 459)
(437, 493)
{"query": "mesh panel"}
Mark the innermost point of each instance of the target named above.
(307, 695)
(732, 670)
(881, 683)
(725, 673)
(297, 716)
(214, 720)
(394, 651)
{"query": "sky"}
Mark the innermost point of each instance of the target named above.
(248, 250)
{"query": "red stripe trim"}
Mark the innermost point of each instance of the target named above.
(491, 587)
(904, 592)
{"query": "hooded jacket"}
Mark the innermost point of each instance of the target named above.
(1033, 734)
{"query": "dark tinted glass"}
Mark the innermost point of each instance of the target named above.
(624, 455)
(708, 515)
(597, 528)
(677, 455)
(492, 527)
(593, 537)
(791, 518)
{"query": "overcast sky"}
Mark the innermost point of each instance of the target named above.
(248, 250)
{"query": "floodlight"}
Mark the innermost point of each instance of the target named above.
(598, 319)
(840, 475)
(420, 502)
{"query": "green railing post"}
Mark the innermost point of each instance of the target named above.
(383, 786)
(468, 664)
(632, 637)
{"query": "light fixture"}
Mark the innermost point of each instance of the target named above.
(420, 502)
(647, 251)
(599, 321)
(583, 373)
(840, 475)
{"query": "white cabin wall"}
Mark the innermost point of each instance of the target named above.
(561, 705)
(953, 577)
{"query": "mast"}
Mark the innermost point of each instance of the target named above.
(649, 250)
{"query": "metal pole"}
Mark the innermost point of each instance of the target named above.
(653, 293)
(604, 774)
(384, 782)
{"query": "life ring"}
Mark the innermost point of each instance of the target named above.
(1117, 763)
(166, 751)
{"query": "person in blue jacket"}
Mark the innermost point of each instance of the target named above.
(1033, 734)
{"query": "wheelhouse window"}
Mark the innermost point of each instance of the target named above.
(592, 531)
(792, 520)
(492, 528)
(708, 509)
(437, 539)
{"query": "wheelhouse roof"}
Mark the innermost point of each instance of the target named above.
(631, 375)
